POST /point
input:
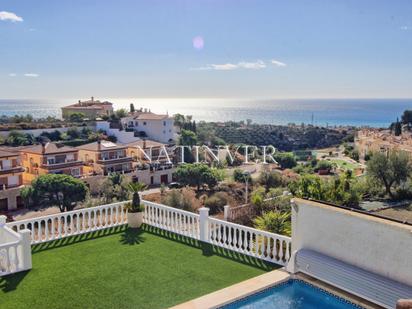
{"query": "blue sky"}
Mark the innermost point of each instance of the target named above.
(244, 49)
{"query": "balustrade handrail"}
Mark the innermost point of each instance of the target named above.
(67, 213)
(250, 229)
(177, 210)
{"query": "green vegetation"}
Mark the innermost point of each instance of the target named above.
(135, 188)
(182, 199)
(216, 202)
(124, 269)
(274, 222)
(16, 138)
(340, 190)
(285, 160)
(390, 170)
(284, 138)
(198, 175)
(59, 190)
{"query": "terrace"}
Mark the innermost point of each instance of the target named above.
(83, 253)
(89, 258)
(122, 268)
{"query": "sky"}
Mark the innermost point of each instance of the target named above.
(206, 48)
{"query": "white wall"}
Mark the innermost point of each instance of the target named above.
(378, 245)
(159, 130)
(122, 136)
(37, 132)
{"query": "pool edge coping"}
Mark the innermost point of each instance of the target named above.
(237, 291)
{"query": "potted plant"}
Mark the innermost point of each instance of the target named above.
(134, 209)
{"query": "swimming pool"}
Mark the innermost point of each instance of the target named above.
(292, 294)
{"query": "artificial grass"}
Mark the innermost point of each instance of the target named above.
(123, 268)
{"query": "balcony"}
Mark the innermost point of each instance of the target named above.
(116, 159)
(11, 170)
(62, 164)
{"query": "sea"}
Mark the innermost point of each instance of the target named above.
(321, 112)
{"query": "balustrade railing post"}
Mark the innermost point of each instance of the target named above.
(204, 224)
(2, 221)
(226, 212)
(25, 257)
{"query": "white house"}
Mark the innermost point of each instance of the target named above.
(154, 126)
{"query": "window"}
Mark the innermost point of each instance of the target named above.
(144, 123)
(136, 123)
(164, 131)
(164, 123)
(76, 172)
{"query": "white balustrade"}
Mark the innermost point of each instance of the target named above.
(72, 223)
(171, 219)
(242, 239)
(15, 249)
(263, 245)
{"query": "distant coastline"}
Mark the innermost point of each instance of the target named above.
(331, 112)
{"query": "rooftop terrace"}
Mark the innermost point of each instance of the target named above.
(124, 268)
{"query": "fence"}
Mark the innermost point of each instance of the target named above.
(242, 239)
(15, 250)
(72, 223)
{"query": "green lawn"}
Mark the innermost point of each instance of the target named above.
(124, 269)
(344, 164)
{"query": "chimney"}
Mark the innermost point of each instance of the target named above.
(144, 143)
(92, 99)
(43, 147)
(99, 144)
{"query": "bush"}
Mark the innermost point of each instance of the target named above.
(216, 202)
(182, 199)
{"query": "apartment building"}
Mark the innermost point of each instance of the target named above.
(50, 158)
(147, 124)
(92, 109)
(11, 180)
(376, 140)
(104, 157)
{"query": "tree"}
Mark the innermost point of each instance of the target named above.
(60, 190)
(188, 138)
(179, 120)
(285, 160)
(16, 138)
(135, 188)
(270, 179)
(77, 117)
(196, 175)
(407, 117)
(274, 222)
(389, 169)
(132, 109)
(120, 113)
(240, 176)
(398, 128)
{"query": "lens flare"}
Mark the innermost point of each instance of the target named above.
(198, 43)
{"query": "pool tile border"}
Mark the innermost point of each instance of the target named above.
(287, 282)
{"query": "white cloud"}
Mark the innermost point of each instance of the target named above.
(9, 16)
(12, 74)
(406, 28)
(278, 63)
(224, 67)
(252, 65)
(259, 64)
(31, 75)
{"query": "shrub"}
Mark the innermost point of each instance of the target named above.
(182, 199)
(216, 202)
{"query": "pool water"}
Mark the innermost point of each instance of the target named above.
(292, 294)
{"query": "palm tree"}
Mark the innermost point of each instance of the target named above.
(135, 188)
(274, 222)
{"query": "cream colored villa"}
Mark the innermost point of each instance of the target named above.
(91, 109)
